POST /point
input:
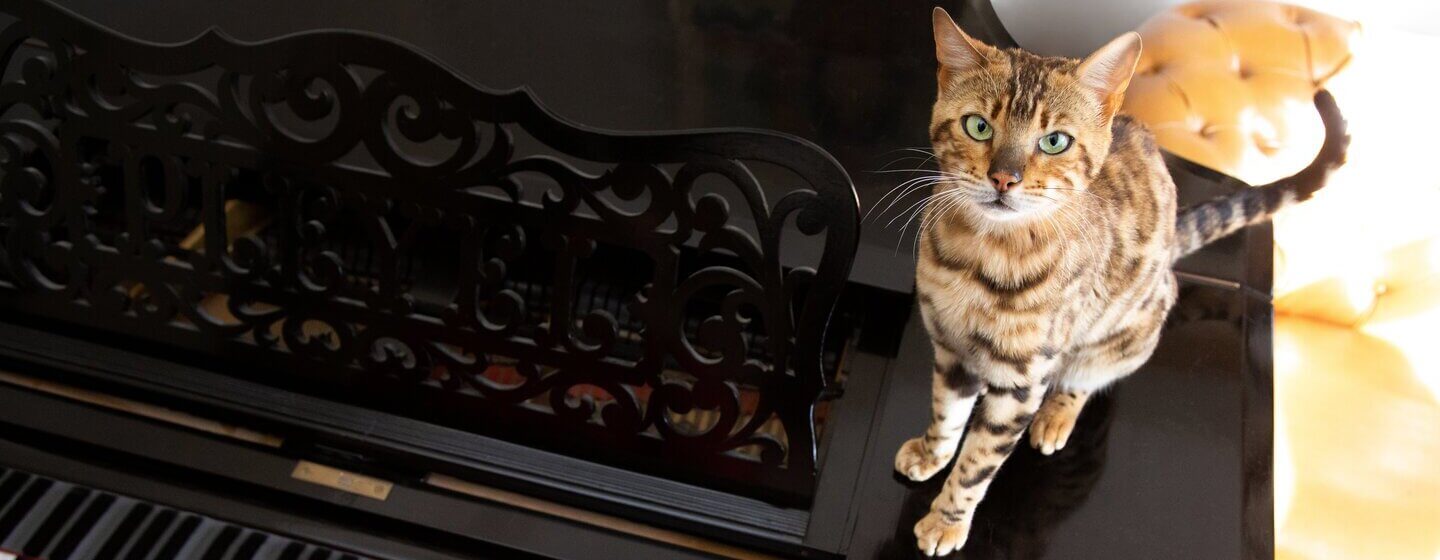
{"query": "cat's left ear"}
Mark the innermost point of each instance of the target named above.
(1106, 72)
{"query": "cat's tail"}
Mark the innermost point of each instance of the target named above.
(1203, 223)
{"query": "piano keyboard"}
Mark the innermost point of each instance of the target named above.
(46, 519)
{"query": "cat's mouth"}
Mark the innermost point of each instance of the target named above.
(1003, 209)
(997, 204)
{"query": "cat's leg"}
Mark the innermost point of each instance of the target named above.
(1002, 417)
(1091, 369)
(953, 391)
(1056, 419)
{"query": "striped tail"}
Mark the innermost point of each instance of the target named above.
(1203, 223)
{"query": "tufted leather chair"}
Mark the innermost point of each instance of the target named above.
(1220, 83)
(1228, 85)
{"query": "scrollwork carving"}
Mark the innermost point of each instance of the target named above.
(403, 250)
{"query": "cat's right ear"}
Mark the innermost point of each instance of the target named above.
(955, 50)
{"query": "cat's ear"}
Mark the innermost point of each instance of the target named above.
(955, 50)
(1106, 72)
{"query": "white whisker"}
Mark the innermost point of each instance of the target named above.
(917, 184)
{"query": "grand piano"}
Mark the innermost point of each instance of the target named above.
(167, 391)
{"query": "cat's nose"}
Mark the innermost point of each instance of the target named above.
(1003, 181)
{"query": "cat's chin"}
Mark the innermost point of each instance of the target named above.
(997, 212)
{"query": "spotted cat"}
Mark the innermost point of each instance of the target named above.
(1045, 253)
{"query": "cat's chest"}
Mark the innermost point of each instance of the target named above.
(1001, 289)
(961, 306)
(1031, 307)
(1010, 289)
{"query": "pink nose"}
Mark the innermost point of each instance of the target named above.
(1004, 180)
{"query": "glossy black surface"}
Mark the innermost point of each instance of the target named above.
(1172, 463)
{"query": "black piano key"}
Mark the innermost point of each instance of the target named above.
(292, 551)
(21, 506)
(35, 516)
(10, 487)
(222, 543)
(124, 532)
(183, 533)
(55, 521)
(248, 548)
(150, 535)
(82, 527)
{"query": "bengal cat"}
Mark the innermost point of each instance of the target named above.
(1045, 253)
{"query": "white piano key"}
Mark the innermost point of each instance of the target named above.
(200, 542)
(72, 537)
(93, 518)
(34, 516)
(52, 528)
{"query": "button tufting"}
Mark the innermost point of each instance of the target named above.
(1243, 58)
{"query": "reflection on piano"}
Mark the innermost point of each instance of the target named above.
(45, 519)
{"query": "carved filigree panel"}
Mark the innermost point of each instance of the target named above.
(340, 208)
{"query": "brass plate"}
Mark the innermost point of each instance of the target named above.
(345, 481)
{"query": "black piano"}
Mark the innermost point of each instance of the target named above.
(333, 280)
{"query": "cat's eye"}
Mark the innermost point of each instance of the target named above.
(1054, 143)
(977, 128)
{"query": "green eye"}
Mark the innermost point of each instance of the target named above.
(1054, 143)
(977, 128)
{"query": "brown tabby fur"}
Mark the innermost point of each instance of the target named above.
(1038, 295)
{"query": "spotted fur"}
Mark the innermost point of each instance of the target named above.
(1039, 293)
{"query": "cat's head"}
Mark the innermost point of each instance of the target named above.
(1019, 136)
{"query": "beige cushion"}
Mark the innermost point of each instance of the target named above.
(1228, 84)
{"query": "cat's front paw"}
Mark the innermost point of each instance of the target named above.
(917, 464)
(937, 537)
(1053, 424)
